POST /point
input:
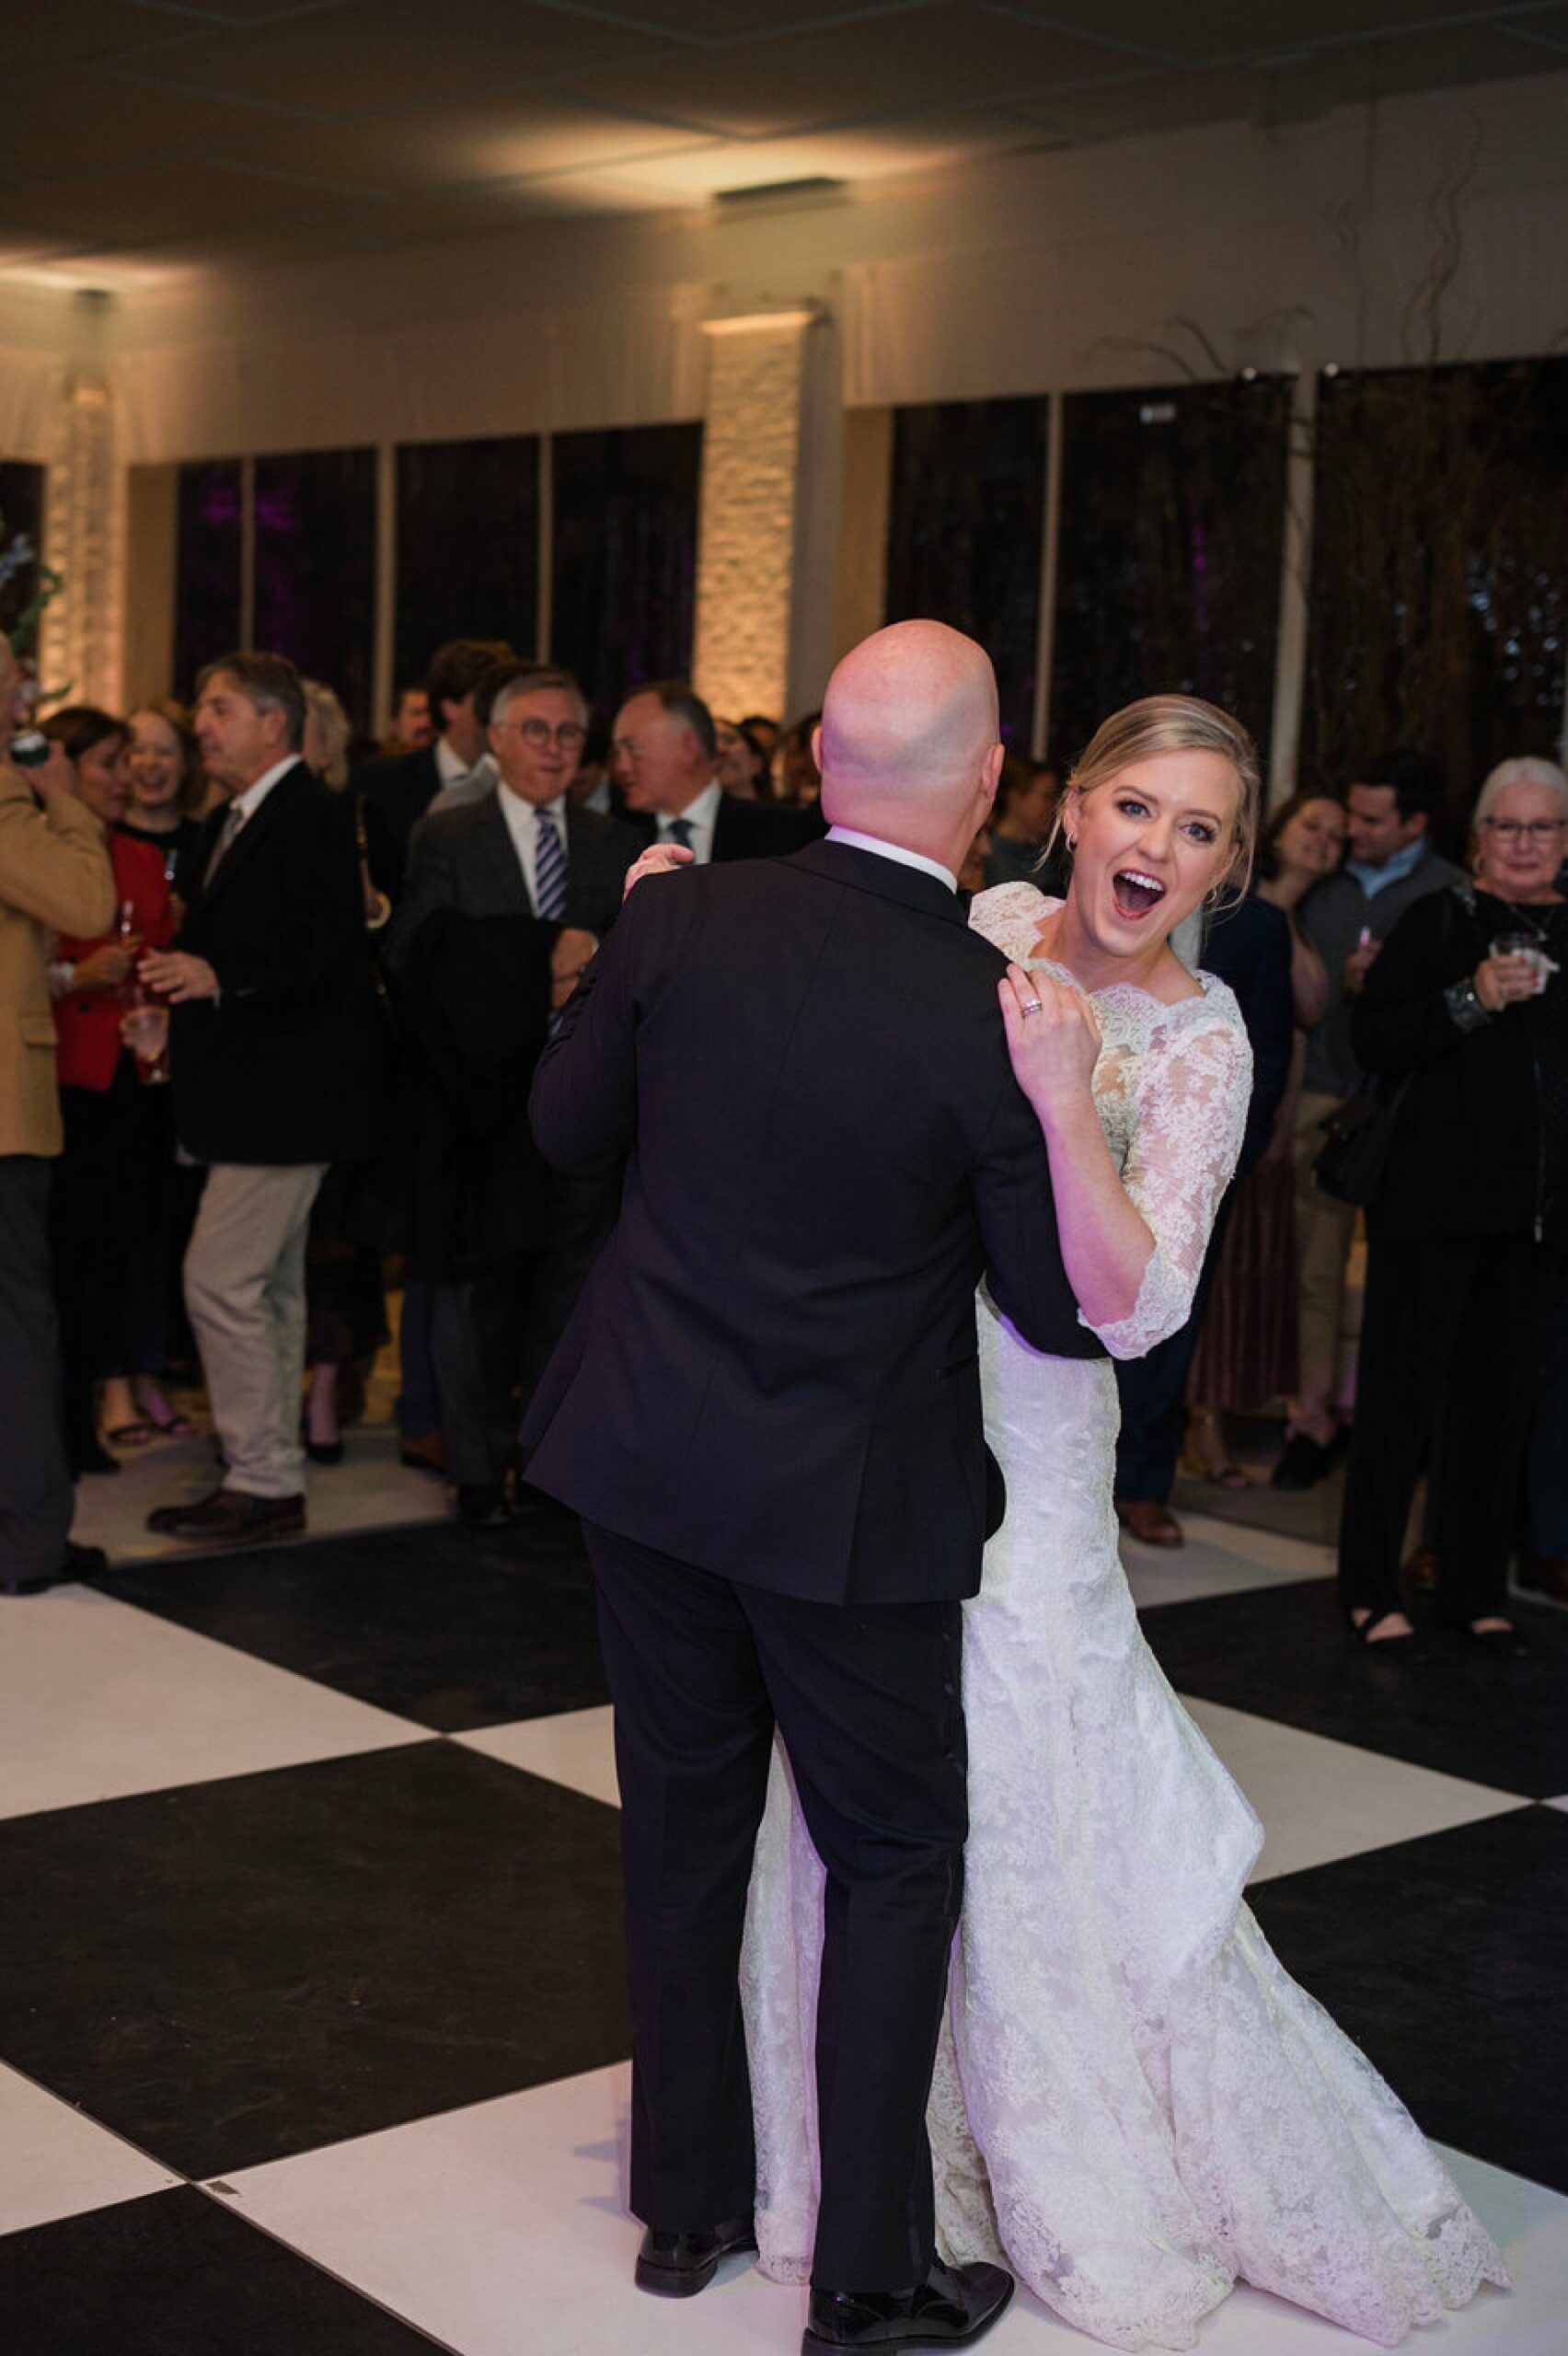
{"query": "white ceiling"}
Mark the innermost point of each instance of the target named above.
(144, 138)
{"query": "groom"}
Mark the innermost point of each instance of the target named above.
(766, 1407)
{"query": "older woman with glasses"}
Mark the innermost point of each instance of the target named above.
(1465, 1019)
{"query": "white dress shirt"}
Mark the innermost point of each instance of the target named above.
(522, 825)
(702, 817)
(895, 851)
(455, 771)
(250, 801)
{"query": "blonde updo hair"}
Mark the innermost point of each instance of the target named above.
(1158, 724)
(324, 708)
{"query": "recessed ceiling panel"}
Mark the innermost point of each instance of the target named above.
(946, 55)
(91, 122)
(129, 208)
(372, 54)
(499, 137)
(1234, 29)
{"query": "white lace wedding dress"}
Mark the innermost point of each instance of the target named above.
(1133, 2104)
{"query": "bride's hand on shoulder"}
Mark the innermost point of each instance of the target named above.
(1053, 1040)
(659, 858)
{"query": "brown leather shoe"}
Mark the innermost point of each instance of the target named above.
(229, 1518)
(1545, 1574)
(1150, 1524)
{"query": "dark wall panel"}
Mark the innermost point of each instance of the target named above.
(623, 589)
(467, 546)
(209, 544)
(1439, 597)
(1169, 559)
(315, 568)
(965, 527)
(21, 539)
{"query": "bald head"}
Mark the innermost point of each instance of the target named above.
(909, 747)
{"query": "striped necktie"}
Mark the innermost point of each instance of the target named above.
(549, 868)
(233, 818)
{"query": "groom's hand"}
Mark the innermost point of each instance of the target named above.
(659, 858)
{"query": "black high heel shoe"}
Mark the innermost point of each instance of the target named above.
(1406, 1647)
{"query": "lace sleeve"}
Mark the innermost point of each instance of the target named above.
(1008, 916)
(1191, 1111)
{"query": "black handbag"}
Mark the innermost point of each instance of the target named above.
(1354, 1153)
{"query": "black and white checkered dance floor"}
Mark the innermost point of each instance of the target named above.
(312, 2023)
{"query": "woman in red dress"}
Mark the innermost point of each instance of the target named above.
(104, 1179)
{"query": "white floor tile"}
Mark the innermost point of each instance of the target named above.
(55, 2163)
(370, 1490)
(576, 1748)
(1320, 1800)
(502, 2227)
(98, 1699)
(1220, 1558)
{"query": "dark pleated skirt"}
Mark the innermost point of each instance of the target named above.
(1248, 1352)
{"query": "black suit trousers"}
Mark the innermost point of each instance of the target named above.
(867, 1700)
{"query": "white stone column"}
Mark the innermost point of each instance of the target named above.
(79, 650)
(768, 536)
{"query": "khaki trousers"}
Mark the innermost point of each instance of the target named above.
(1324, 1231)
(245, 1290)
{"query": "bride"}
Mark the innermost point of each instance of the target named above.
(1134, 2103)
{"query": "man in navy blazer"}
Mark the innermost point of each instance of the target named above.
(404, 787)
(666, 752)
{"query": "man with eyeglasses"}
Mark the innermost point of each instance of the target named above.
(510, 887)
(1389, 864)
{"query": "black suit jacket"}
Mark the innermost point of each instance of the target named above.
(402, 788)
(1246, 943)
(772, 1371)
(749, 829)
(289, 1065)
(471, 966)
(462, 856)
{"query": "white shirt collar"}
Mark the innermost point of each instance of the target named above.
(454, 769)
(702, 815)
(895, 851)
(250, 801)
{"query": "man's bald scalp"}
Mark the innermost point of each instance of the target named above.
(909, 716)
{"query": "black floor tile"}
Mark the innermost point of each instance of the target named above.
(1446, 1960)
(1283, 1653)
(174, 2275)
(453, 1628)
(233, 1971)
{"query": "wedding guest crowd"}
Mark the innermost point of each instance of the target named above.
(349, 972)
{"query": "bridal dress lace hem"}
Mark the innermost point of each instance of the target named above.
(1134, 2105)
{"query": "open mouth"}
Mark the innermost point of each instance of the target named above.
(1136, 893)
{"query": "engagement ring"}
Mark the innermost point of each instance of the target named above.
(1034, 1006)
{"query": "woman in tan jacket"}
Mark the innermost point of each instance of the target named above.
(54, 876)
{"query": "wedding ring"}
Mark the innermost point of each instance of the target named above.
(1033, 1006)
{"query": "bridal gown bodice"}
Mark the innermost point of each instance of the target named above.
(1134, 2104)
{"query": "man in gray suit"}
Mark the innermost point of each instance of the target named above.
(510, 887)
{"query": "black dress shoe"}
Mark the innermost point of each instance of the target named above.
(324, 1451)
(229, 1518)
(93, 1458)
(950, 2309)
(1302, 1463)
(483, 1507)
(678, 2266)
(76, 1562)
